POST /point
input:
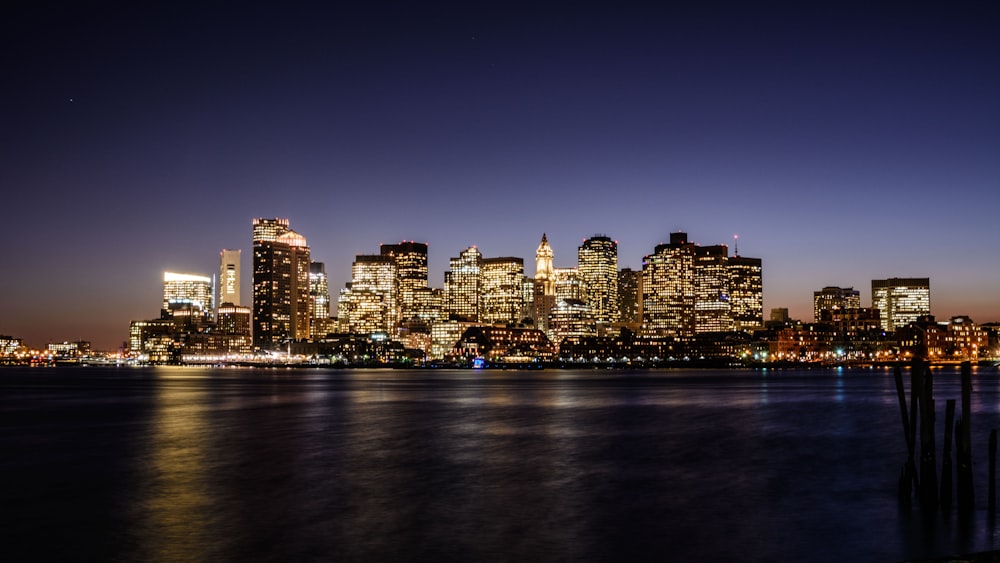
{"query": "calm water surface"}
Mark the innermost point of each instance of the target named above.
(186, 464)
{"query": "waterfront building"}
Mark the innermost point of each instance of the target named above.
(505, 344)
(444, 336)
(280, 284)
(746, 293)
(229, 276)
(668, 293)
(461, 286)
(712, 306)
(189, 293)
(543, 295)
(597, 260)
(153, 341)
(901, 301)
(10, 346)
(369, 302)
(69, 349)
(233, 319)
(500, 290)
(835, 298)
(629, 298)
(956, 340)
(410, 259)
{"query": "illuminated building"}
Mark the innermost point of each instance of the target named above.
(570, 285)
(500, 290)
(69, 349)
(188, 294)
(668, 289)
(597, 259)
(958, 339)
(711, 289)
(153, 341)
(233, 319)
(461, 286)
(10, 346)
(280, 284)
(319, 292)
(835, 298)
(428, 306)
(502, 344)
(229, 276)
(746, 293)
(544, 287)
(411, 274)
(629, 297)
(901, 301)
(571, 318)
(368, 304)
(444, 337)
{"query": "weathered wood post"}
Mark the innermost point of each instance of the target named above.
(908, 475)
(992, 486)
(928, 464)
(949, 425)
(966, 498)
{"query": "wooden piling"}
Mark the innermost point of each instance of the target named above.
(908, 475)
(928, 464)
(946, 469)
(966, 498)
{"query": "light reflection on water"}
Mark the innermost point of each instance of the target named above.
(195, 464)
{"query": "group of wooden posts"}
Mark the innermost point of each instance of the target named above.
(924, 481)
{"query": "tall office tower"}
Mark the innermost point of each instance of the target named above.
(629, 297)
(229, 276)
(570, 285)
(746, 293)
(187, 298)
(280, 284)
(500, 290)
(597, 258)
(544, 287)
(668, 292)
(835, 298)
(319, 292)
(901, 300)
(369, 302)
(411, 274)
(461, 286)
(712, 308)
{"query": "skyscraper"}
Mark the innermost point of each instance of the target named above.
(597, 259)
(711, 289)
(629, 297)
(901, 300)
(411, 275)
(369, 303)
(746, 293)
(280, 284)
(229, 276)
(668, 289)
(501, 290)
(319, 301)
(461, 285)
(544, 286)
(833, 298)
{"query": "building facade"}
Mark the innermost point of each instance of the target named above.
(901, 301)
(229, 276)
(461, 286)
(597, 260)
(544, 286)
(410, 259)
(501, 285)
(280, 284)
(835, 298)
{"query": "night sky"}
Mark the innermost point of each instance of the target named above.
(843, 142)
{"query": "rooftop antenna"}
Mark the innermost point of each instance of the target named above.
(736, 243)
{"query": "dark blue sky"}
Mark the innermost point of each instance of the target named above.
(843, 141)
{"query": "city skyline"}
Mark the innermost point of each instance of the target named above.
(843, 144)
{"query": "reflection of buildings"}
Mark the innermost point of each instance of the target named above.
(901, 301)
